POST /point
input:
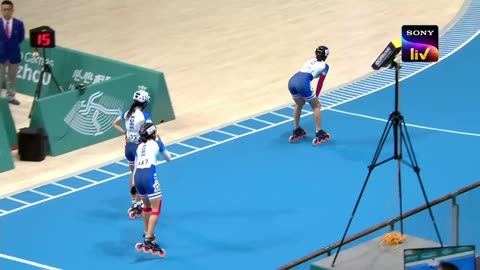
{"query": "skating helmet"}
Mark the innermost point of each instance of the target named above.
(148, 131)
(141, 96)
(322, 53)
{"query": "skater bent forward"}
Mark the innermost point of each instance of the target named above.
(300, 89)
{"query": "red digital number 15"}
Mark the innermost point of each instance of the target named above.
(44, 39)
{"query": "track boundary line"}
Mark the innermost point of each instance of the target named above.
(407, 124)
(39, 265)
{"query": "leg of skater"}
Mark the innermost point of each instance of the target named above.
(150, 218)
(149, 189)
(156, 205)
(317, 113)
(155, 200)
(136, 209)
(140, 178)
(137, 203)
(299, 102)
(147, 211)
(150, 212)
(298, 132)
(321, 135)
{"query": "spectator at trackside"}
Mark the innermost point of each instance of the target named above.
(10, 57)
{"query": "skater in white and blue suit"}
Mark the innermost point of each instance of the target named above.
(301, 91)
(134, 118)
(146, 182)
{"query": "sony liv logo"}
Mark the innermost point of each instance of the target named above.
(420, 43)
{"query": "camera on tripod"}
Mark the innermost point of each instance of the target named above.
(390, 58)
(42, 37)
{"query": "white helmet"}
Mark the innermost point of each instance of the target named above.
(141, 96)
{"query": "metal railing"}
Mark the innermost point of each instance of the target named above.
(391, 225)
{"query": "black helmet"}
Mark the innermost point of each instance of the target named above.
(322, 53)
(148, 131)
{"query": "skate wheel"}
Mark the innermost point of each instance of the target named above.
(292, 139)
(146, 250)
(131, 215)
(138, 246)
(138, 215)
(316, 142)
(162, 253)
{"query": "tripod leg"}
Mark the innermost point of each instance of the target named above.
(383, 139)
(416, 168)
(60, 88)
(38, 91)
(370, 170)
(372, 166)
(399, 171)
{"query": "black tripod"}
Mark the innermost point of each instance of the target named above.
(38, 90)
(400, 134)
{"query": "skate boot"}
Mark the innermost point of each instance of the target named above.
(297, 135)
(154, 237)
(321, 137)
(149, 245)
(138, 210)
(135, 211)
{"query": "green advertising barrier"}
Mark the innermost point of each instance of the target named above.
(71, 68)
(8, 124)
(6, 160)
(76, 119)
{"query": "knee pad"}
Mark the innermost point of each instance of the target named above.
(147, 209)
(133, 191)
(156, 213)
